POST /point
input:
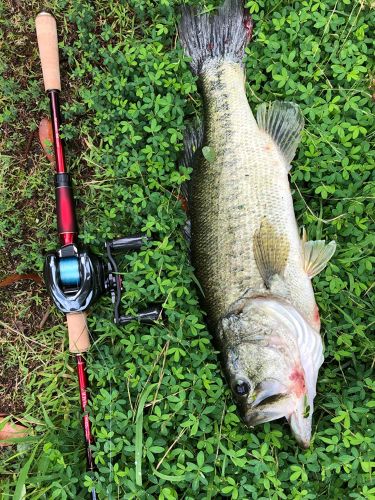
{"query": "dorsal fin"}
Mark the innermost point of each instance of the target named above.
(193, 141)
(271, 252)
(283, 121)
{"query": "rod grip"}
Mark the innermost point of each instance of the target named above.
(79, 338)
(46, 32)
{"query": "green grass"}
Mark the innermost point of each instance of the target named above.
(158, 393)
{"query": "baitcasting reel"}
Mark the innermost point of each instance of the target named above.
(76, 278)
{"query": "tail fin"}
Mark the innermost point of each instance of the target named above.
(223, 35)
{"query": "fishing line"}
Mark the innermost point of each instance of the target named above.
(95, 346)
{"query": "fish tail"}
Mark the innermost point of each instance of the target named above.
(220, 36)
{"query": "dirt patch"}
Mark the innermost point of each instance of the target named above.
(10, 389)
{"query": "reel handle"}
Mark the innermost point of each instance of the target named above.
(46, 32)
(147, 317)
(127, 243)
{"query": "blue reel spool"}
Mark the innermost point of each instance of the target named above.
(69, 271)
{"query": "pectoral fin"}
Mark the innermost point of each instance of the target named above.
(271, 252)
(317, 255)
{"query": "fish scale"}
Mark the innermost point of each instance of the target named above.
(247, 183)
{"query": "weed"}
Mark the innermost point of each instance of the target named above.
(131, 95)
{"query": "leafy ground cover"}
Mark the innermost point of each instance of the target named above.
(164, 420)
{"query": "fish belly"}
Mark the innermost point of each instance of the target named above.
(246, 183)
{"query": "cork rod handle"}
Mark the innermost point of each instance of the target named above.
(79, 338)
(46, 32)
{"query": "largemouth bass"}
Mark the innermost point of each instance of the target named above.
(253, 267)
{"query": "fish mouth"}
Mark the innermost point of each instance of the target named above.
(270, 402)
(278, 406)
(304, 443)
(300, 422)
(258, 416)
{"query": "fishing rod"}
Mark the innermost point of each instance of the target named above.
(74, 276)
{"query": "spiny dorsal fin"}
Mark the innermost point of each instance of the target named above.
(271, 252)
(316, 255)
(193, 141)
(283, 121)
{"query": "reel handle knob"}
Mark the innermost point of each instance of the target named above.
(148, 317)
(127, 243)
(46, 32)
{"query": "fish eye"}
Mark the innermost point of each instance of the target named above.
(241, 388)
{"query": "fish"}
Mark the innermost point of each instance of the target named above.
(253, 266)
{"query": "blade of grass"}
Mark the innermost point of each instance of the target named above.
(166, 477)
(20, 490)
(139, 434)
